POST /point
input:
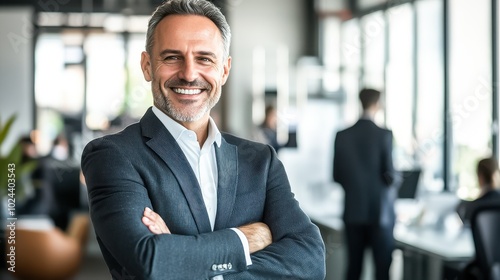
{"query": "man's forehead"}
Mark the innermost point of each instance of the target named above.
(188, 23)
(184, 29)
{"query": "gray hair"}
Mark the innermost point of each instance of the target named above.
(189, 7)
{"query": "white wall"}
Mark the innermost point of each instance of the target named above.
(259, 23)
(16, 69)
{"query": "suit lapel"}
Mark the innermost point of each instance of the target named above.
(163, 144)
(227, 169)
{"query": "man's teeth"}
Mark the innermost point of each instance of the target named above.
(187, 91)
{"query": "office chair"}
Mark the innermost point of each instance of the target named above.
(51, 254)
(485, 225)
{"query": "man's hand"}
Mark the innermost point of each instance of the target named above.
(154, 222)
(258, 236)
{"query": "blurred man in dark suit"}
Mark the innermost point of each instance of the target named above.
(363, 166)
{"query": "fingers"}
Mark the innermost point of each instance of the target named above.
(258, 236)
(154, 222)
(151, 226)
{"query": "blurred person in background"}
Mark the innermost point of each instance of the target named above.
(60, 148)
(363, 166)
(171, 196)
(38, 199)
(266, 132)
(487, 178)
(63, 179)
(55, 183)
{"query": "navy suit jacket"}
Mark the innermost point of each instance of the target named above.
(143, 166)
(363, 166)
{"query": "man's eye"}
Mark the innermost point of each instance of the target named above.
(171, 58)
(205, 59)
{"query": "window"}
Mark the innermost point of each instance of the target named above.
(429, 124)
(331, 55)
(373, 40)
(350, 59)
(59, 84)
(403, 54)
(105, 79)
(399, 85)
(139, 96)
(59, 79)
(470, 90)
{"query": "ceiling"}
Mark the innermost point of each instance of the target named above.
(129, 7)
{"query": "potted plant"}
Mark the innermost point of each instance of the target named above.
(13, 171)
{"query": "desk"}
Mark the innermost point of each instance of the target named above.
(439, 243)
(427, 250)
(324, 203)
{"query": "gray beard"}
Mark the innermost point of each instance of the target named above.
(164, 104)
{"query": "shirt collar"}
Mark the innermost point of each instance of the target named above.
(176, 129)
(366, 116)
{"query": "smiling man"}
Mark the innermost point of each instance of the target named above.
(171, 197)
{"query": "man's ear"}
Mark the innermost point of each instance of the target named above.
(146, 66)
(227, 68)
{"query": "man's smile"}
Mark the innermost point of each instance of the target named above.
(187, 91)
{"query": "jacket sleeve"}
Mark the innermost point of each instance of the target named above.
(336, 161)
(389, 176)
(118, 196)
(297, 251)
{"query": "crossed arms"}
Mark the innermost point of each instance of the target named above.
(257, 234)
(283, 244)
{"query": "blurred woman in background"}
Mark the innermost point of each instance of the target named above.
(487, 176)
(266, 132)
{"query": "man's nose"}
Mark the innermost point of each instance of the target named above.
(188, 71)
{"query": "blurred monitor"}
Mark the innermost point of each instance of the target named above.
(409, 184)
(292, 139)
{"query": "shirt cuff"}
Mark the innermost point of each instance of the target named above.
(244, 242)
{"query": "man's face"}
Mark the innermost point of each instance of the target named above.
(186, 67)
